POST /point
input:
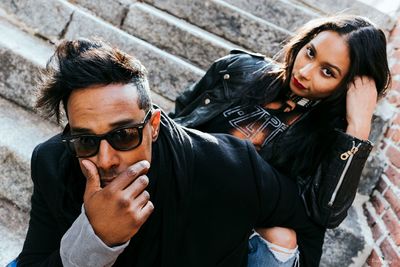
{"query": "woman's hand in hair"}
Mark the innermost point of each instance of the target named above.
(360, 105)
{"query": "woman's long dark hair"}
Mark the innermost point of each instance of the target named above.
(300, 153)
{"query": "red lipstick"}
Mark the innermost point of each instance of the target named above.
(298, 84)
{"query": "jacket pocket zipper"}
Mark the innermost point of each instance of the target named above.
(348, 155)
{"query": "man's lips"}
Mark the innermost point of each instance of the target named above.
(298, 84)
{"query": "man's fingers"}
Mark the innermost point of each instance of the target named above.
(92, 178)
(137, 186)
(147, 210)
(142, 199)
(127, 177)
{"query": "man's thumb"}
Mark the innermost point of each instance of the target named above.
(92, 177)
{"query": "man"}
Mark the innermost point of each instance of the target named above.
(129, 187)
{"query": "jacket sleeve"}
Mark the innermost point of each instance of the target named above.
(332, 189)
(41, 247)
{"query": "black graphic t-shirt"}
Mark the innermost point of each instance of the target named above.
(253, 122)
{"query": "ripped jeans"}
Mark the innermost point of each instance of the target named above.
(261, 254)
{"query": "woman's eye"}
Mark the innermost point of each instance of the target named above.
(327, 72)
(310, 52)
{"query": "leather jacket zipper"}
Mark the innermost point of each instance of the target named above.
(348, 155)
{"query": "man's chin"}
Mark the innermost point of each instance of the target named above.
(104, 183)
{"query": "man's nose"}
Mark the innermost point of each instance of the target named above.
(107, 157)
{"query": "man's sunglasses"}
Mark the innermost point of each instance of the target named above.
(123, 139)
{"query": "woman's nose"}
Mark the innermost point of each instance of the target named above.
(305, 71)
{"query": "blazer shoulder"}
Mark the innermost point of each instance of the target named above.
(47, 157)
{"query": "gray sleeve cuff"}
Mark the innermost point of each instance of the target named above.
(80, 246)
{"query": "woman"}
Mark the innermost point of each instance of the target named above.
(309, 116)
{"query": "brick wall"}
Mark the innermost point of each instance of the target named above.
(383, 209)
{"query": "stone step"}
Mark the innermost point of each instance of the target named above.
(10, 245)
(22, 56)
(282, 13)
(13, 227)
(21, 131)
(228, 22)
(357, 7)
(168, 75)
(167, 32)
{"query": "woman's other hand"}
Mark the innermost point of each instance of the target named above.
(360, 105)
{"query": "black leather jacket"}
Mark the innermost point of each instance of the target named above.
(330, 191)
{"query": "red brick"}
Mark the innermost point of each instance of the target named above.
(394, 155)
(378, 205)
(376, 231)
(374, 260)
(395, 68)
(370, 219)
(395, 53)
(396, 135)
(396, 121)
(390, 132)
(394, 33)
(394, 201)
(389, 254)
(393, 174)
(392, 97)
(381, 186)
(393, 225)
(382, 145)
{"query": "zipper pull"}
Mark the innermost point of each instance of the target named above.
(352, 151)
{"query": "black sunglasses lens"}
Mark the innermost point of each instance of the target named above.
(84, 146)
(125, 139)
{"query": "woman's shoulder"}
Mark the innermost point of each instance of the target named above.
(241, 59)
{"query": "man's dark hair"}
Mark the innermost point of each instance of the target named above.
(84, 63)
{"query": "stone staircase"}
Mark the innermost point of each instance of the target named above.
(175, 39)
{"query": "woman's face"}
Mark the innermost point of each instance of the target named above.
(320, 66)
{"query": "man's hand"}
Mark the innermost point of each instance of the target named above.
(117, 211)
(360, 105)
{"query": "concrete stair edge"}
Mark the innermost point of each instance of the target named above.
(228, 22)
(21, 132)
(167, 32)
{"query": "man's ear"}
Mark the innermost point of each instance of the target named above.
(155, 124)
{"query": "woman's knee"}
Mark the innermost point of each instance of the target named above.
(280, 236)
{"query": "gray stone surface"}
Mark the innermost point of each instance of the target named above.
(10, 245)
(20, 132)
(17, 79)
(168, 75)
(370, 175)
(373, 167)
(226, 21)
(174, 35)
(279, 12)
(331, 7)
(32, 13)
(21, 58)
(111, 11)
(344, 243)
(379, 125)
(162, 102)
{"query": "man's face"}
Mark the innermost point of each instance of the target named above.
(101, 109)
